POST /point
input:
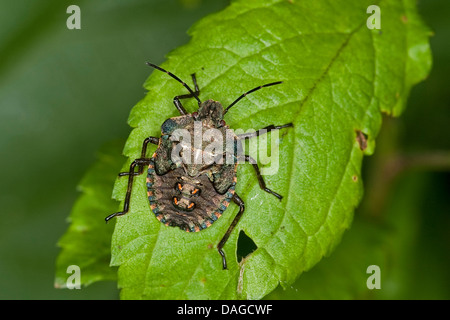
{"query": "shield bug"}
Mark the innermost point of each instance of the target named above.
(191, 185)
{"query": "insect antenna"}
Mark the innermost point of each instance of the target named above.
(176, 78)
(253, 90)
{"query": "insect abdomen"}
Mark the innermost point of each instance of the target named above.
(192, 204)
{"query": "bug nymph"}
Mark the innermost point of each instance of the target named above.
(188, 185)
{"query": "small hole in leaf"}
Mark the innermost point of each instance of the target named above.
(362, 138)
(245, 246)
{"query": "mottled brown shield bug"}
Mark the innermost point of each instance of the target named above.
(191, 185)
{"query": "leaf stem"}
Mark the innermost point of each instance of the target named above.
(395, 165)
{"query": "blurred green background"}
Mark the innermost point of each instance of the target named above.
(65, 93)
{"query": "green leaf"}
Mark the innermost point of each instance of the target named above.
(87, 241)
(394, 242)
(343, 274)
(338, 78)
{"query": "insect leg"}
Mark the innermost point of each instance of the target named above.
(262, 184)
(126, 205)
(260, 131)
(222, 242)
(195, 94)
(143, 154)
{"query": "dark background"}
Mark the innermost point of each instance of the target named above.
(65, 93)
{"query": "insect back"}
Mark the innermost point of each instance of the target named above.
(191, 177)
